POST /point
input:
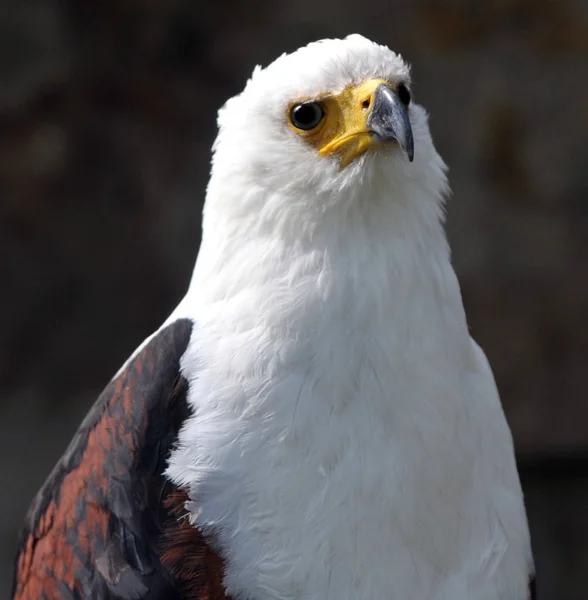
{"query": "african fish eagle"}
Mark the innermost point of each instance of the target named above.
(313, 421)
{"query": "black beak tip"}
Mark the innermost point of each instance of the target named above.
(389, 121)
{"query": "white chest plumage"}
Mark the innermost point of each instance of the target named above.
(350, 446)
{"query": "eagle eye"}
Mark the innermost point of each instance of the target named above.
(403, 93)
(306, 115)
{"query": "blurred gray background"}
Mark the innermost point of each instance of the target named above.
(107, 115)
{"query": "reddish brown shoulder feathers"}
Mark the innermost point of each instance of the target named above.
(187, 555)
(95, 529)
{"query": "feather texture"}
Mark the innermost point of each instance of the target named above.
(95, 529)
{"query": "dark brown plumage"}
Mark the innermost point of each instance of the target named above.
(101, 523)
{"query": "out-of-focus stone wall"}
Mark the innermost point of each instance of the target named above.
(107, 114)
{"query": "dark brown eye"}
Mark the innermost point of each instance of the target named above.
(306, 115)
(403, 94)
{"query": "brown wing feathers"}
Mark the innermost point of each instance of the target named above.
(188, 557)
(95, 529)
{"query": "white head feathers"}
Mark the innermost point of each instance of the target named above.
(264, 175)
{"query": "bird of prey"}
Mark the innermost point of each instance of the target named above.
(313, 421)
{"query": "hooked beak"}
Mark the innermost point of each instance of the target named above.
(362, 117)
(388, 120)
